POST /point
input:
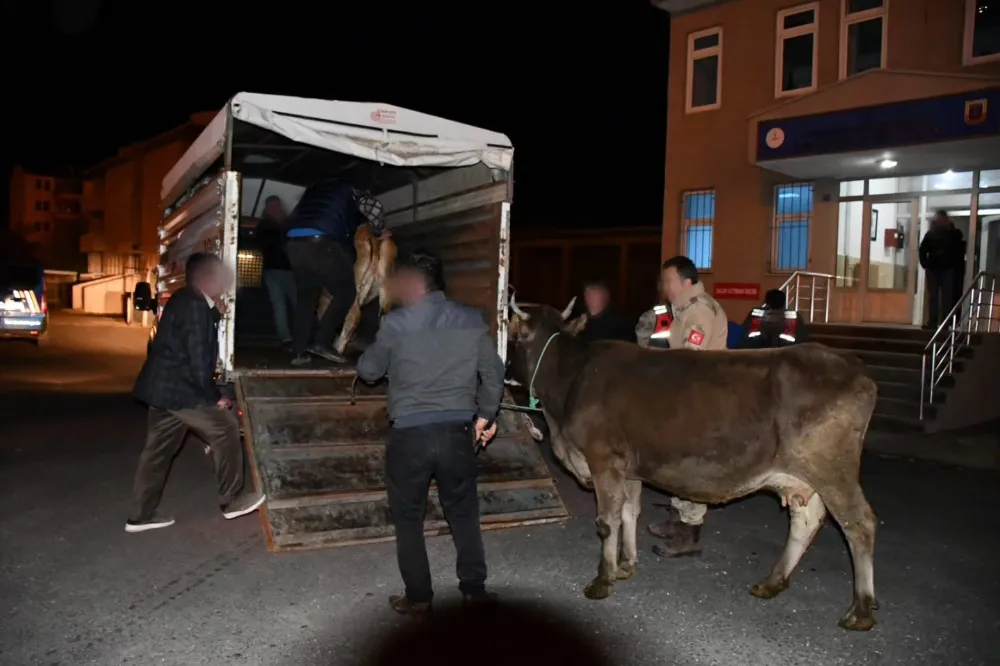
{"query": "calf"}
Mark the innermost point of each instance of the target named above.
(709, 427)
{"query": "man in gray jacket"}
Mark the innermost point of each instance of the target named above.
(445, 387)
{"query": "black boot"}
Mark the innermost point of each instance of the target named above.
(403, 606)
(668, 528)
(684, 542)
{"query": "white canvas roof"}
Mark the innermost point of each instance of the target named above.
(379, 132)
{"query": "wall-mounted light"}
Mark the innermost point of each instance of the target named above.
(887, 164)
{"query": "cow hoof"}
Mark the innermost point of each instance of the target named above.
(768, 589)
(598, 589)
(858, 617)
(625, 571)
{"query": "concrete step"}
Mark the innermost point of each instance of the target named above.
(895, 424)
(907, 333)
(877, 344)
(905, 408)
(911, 376)
(908, 392)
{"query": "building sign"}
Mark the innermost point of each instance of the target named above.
(736, 291)
(951, 118)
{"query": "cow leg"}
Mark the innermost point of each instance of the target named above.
(630, 519)
(350, 324)
(848, 506)
(609, 485)
(805, 521)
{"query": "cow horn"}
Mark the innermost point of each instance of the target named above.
(569, 309)
(518, 311)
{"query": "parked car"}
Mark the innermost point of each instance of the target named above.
(24, 313)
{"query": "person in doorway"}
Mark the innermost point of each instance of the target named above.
(278, 278)
(445, 387)
(321, 249)
(177, 383)
(942, 256)
(603, 321)
(699, 324)
(773, 324)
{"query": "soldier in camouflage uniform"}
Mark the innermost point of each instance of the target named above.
(699, 324)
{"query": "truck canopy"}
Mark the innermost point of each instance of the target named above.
(270, 136)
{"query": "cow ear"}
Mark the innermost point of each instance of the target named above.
(574, 326)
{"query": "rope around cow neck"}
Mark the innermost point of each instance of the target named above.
(532, 405)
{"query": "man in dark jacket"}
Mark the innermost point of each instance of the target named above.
(321, 249)
(177, 382)
(773, 325)
(942, 256)
(278, 278)
(445, 387)
(603, 321)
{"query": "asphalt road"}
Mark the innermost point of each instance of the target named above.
(76, 589)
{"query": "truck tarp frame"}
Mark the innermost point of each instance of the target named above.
(383, 133)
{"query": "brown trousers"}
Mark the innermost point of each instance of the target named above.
(164, 438)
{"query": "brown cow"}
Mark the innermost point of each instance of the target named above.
(372, 268)
(709, 427)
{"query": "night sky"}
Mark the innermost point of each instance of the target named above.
(579, 87)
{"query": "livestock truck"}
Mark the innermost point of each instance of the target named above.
(314, 439)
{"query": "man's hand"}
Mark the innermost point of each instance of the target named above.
(224, 403)
(220, 305)
(386, 233)
(483, 435)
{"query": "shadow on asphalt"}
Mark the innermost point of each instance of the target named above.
(512, 633)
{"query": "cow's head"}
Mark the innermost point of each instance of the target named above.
(530, 327)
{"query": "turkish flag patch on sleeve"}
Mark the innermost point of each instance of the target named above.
(696, 338)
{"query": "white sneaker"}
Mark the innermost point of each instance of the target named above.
(154, 523)
(241, 506)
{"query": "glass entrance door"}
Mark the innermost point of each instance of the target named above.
(889, 262)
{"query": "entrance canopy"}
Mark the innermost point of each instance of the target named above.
(920, 123)
(296, 140)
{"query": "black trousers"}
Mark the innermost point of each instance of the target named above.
(941, 294)
(319, 264)
(164, 438)
(444, 452)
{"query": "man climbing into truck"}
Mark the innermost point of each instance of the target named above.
(321, 250)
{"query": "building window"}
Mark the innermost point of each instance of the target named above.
(982, 31)
(793, 207)
(45, 205)
(38, 183)
(698, 227)
(862, 36)
(46, 185)
(45, 226)
(38, 205)
(795, 50)
(704, 70)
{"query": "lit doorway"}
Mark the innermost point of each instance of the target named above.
(889, 261)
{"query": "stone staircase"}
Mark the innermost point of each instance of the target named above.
(894, 355)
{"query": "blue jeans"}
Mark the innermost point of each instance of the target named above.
(282, 292)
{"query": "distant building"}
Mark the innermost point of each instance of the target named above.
(820, 137)
(121, 201)
(46, 211)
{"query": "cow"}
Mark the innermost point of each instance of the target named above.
(709, 427)
(375, 260)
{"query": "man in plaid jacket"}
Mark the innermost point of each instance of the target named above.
(177, 382)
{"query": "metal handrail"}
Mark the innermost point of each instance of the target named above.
(955, 334)
(795, 279)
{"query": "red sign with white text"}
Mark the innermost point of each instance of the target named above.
(738, 291)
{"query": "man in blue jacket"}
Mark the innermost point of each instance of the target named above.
(321, 250)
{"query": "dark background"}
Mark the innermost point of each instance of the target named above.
(579, 88)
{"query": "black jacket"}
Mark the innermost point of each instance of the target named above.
(942, 249)
(609, 325)
(270, 237)
(179, 372)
